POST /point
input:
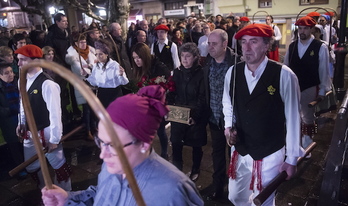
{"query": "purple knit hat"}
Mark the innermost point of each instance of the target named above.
(141, 113)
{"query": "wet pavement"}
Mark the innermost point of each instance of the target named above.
(82, 154)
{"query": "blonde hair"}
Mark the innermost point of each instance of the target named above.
(46, 50)
(5, 51)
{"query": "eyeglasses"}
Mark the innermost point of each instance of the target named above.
(108, 146)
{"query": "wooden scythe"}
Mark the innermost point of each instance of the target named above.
(98, 109)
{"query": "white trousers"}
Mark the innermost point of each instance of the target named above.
(307, 96)
(239, 192)
(56, 159)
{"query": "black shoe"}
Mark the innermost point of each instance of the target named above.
(215, 197)
(194, 175)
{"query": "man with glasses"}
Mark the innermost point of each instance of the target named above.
(135, 119)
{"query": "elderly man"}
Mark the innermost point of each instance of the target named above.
(219, 59)
(164, 49)
(44, 94)
(309, 59)
(120, 55)
(144, 25)
(262, 117)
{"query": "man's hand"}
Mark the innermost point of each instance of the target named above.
(231, 136)
(289, 169)
(54, 197)
(20, 132)
(51, 147)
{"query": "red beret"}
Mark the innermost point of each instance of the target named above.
(313, 14)
(306, 21)
(30, 50)
(141, 113)
(330, 13)
(161, 27)
(244, 18)
(261, 30)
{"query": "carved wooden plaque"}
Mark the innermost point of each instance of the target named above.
(178, 114)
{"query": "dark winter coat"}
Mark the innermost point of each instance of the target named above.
(59, 40)
(190, 93)
(8, 116)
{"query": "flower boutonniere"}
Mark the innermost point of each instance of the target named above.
(271, 90)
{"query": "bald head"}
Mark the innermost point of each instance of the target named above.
(144, 25)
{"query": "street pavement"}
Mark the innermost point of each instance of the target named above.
(83, 155)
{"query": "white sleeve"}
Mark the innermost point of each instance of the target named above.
(175, 56)
(278, 35)
(51, 95)
(324, 75)
(290, 94)
(226, 100)
(122, 79)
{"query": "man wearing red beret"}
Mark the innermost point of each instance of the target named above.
(44, 97)
(309, 59)
(164, 49)
(262, 117)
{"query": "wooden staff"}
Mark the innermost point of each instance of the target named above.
(98, 109)
(319, 99)
(274, 184)
(32, 159)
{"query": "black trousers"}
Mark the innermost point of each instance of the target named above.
(219, 158)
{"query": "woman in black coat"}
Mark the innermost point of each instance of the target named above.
(146, 68)
(189, 93)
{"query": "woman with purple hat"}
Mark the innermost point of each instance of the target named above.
(107, 74)
(136, 118)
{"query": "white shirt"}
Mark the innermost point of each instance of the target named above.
(173, 50)
(290, 95)
(203, 46)
(324, 75)
(51, 95)
(108, 77)
(277, 34)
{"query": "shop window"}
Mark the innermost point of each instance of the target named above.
(265, 3)
(313, 2)
(174, 5)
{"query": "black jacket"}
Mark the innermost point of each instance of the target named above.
(59, 40)
(190, 93)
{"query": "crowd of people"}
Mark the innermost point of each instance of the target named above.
(225, 70)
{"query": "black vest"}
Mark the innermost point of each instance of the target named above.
(38, 105)
(166, 55)
(307, 68)
(260, 118)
